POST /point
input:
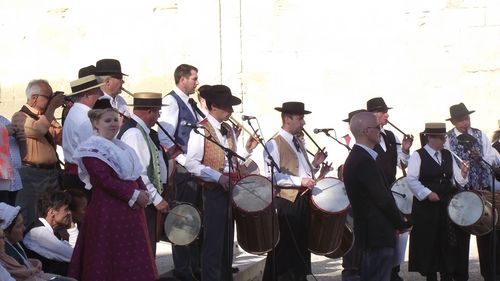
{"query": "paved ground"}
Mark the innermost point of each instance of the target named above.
(324, 268)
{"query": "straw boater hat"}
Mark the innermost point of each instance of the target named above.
(352, 113)
(432, 129)
(293, 107)
(219, 95)
(8, 214)
(377, 105)
(147, 99)
(459, 110)
(83, 84)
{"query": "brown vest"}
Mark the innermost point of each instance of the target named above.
(289, 164)
(213, 156)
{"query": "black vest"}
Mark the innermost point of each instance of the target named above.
(387, 160)
(48, 265)
(438, 178)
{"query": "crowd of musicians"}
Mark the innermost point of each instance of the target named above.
(100, 215)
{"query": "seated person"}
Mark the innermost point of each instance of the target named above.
(40, 241)
(77, 207)
(12, 256)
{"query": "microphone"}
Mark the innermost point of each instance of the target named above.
(316, 131)
(466, 140)
(247, 117)
(190, 125)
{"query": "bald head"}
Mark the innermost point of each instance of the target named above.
(365, 128)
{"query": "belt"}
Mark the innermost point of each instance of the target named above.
(70, 169)
(40, 166)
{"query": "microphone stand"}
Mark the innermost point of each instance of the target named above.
(229, 222)
(272, 164)
(335, 139)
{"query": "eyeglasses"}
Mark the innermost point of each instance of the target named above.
(47, 97)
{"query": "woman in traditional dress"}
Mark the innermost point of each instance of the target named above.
(113, 243)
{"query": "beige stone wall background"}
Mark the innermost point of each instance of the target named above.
(421, 56)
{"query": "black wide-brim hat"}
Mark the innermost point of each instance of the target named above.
(459, 110)
(377, 105)
(86, 71)
(293, 107)
(148, 99)
(219, 95)
(352, 113)
(109, 67)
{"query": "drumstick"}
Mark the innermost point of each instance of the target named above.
(400, 194)
(458, 158)
(179, 215)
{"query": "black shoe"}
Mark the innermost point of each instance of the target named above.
(235, 270)
(185, 277)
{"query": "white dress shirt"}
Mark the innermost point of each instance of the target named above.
(282, 179)
(402, 157)
(77, 128)
(413, 173)
(134, 138)
(196, 149)
(169, 120)
(43, 241)
(118, 102)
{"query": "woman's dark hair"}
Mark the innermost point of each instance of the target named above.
(9, 228)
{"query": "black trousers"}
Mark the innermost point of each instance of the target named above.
(485, 249)
(187, 259)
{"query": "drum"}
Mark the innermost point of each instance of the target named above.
(469, 210)
(254, 214)
(402, 195)
(329, 203)
(347, 240)
(182, 224)
(488, 196)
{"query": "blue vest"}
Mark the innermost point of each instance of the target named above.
(181, 134)
(478, 175)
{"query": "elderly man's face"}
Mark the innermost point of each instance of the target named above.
(462, 124)
(41, 99)
(382, 117)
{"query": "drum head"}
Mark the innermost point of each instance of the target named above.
(465, 208)
(329, 195)
(182, 224)
(402, 195)
(252, 193)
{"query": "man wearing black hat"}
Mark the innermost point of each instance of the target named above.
(436, 244)
(296, 175)
(180, 107)
(136, 133)
(207, 161)
(471, 145)
(376, 217)
(77, 127)
(109, 72)
(391, 154)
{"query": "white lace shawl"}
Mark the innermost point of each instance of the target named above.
(115, 153)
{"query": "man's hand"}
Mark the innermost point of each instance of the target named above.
(464, 168)
(162, 207)
(251, 144)
(319, 157)
(307, 183)
(224, 181)
(406, 143)
(142, 199)
(433, 197)
(56, 101)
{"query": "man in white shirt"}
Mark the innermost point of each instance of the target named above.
(181, 107)
(207, 162)
(292, 258)
(436, 244)
(109, 72)
(40, 241)
(472, 145)
(136, 133)
(77, 127)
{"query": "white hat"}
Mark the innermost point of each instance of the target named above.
(8, 214)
